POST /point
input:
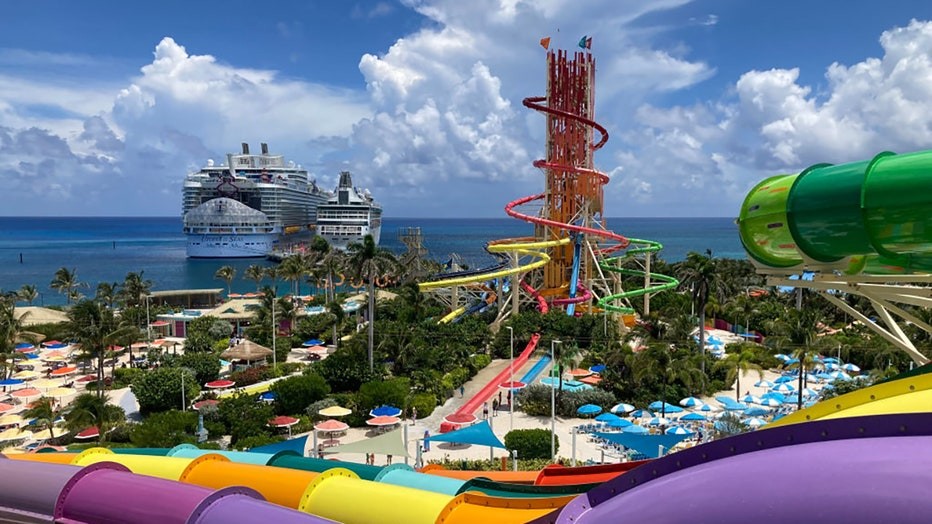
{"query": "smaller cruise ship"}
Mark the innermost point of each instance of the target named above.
(349, 215)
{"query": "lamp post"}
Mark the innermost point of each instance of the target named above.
(274, 356)
(553, 401)
(511, 394)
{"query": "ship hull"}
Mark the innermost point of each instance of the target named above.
(343, 242)
(230, 246)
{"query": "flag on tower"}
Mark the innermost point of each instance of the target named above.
(545, 42)
(585, 42)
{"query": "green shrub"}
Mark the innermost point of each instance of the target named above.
(206, 366)
(296, 393)
(477, 362)
(531, 443)
(572, 400)
(393, 392)
(534, 400)
(160, 389)
(243, 417)
(165, 430)
(424, 403)
(123, 377)
(491, 465)
(250, 376)
(256, 440)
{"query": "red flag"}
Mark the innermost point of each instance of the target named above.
(545, 42)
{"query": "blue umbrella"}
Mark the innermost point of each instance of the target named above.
(737, 406)
(851, 367)
(786, 387)
(830, 360)
(782, 357)
(751, 399)
(622, 408)
(385, 411)
(707, 408)
(658, 421)
(693, 417)
(641, 413)
(755, 411)
(792, 361)
(10, 382)
(678, 430)
(636, 430)
(780, 397)
(598, 368)
(669, 408)
(691, 402)
(781, 380)
(608, 417)
(268, 396)
(619, 423)
(313, 342)
(770, 402)
(589, 409)
(755, 422)
(764, 384)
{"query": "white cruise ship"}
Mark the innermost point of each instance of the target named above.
(349, 215)
(248, 206)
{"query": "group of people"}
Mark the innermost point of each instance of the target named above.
(496, 405)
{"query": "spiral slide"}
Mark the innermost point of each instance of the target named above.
(867, 217)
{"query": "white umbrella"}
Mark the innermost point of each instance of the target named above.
(851, 367)
(691, 402)
(764, 384)
(678, 430)
(751, 399)
(770, 402)
(755, 422)
(622, 408)
(658, 421)
(785, 387)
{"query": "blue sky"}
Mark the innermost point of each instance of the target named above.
(105, 106)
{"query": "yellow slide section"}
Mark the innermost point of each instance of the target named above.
(162, 467)
(532, 249)
(280, 486)
(337, 496)
(470, 508)
(255, 389)
(907, 395)
(453, 314)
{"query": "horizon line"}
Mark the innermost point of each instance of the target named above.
(389, 218)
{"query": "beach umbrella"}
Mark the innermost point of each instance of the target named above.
(4, 407)
(26, 393)
(806, 392)
(783, 379)
(10, 382)
(589, 409)
(25, 375)
(385, 411)
(839, 375)
(384, 420)
(25, 347)
(693, 417)
(46, 383)
(619, 423)
(831, 367)
(708, 408)
(755, 422)
(658, 421)
(14, 434)
(851, 368)
(622, 408)
(669, 408)
(736, 406)
(791, 399)
(641, 413)
(313, 342)
(785, 387)
(331, 426)
(770, 402)
(89, 433)
(512, 385)
(691, 402)
(782, 357)
(61, 392)
(268, 397)
(791, 361)
(763, 384)
(635, 429)
(578, 372)
(283, 421)
(11, 419)
(752, 399)
(598, 368)
(334, 411)
(606, 417)
(206, 404)
(64, 371)
(220, 384)
(755, 411)
(830, 360)
(678, 430)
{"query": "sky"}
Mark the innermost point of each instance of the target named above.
(105, 106)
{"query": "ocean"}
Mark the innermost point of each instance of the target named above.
(105, 249)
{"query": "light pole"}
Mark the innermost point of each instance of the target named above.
(274, 356)
(511, 395)
(553, 401)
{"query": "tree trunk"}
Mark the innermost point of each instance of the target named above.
(738, 384)
(702, 335)
(371, 321)
(799, 394)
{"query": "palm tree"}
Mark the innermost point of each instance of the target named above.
(28, 293)
(66, 282)
(659, 360)
(107, 293)
(96, 327)
(255, 273)
(336, 311)
(91, 410)
(11, 327)
(738, 364)
(332, 263)
(227, 274)
(135, 289)
(567, 355)
(698, 274)
(292, 269)
(45, 413)
(798, 328)
(367, 261)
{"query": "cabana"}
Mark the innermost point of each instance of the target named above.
(247, 351)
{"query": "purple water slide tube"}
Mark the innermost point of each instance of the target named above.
(100, 494)
(863, 469)
(28, 490)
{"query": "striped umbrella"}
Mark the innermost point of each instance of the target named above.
(622, 408)
(691, 402)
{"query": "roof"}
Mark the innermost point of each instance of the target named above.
(246, 350)
(185, 292)
(239, 309)
(40, 315)
(380, 294)
(386, 444)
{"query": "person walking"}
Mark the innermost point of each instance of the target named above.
(485, 411)
(494, 407)
(462, 391)
(413, 415)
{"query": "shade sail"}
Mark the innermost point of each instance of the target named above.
(296, 445)
(648, 445)
(480, 434)
(386, 444)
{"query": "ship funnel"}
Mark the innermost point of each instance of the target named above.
(265, 148)
(245, 148)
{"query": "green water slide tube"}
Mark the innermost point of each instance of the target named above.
(872, 216)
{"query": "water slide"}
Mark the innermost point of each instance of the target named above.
(813, 473)
(867, 217)
(32, 491)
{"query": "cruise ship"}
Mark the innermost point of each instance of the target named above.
(248, 206)
(349, 215)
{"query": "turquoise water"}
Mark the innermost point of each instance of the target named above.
(105, 249)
